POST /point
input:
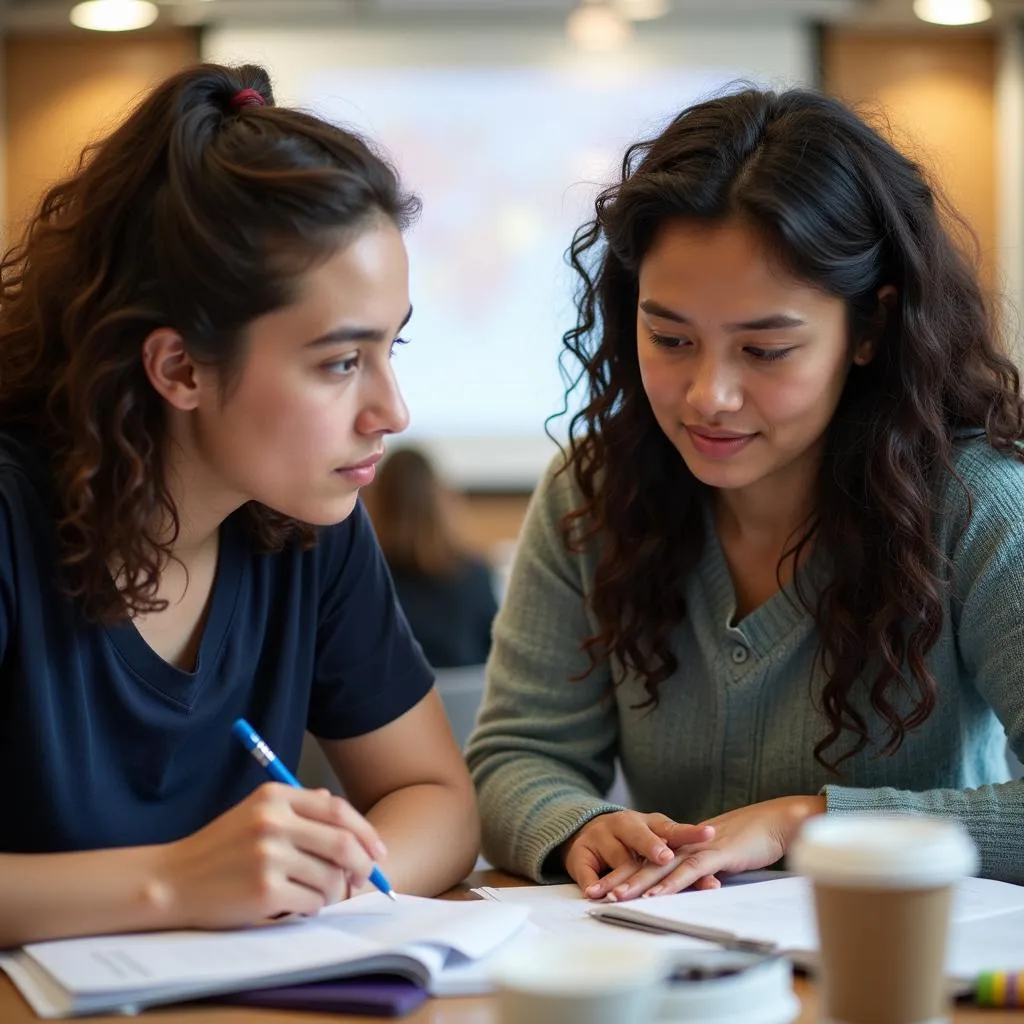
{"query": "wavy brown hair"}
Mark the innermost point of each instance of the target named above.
(843, 210)
(194, 214)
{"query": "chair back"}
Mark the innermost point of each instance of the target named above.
(461, 691)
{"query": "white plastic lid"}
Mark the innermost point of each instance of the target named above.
(595, 966)
(883, 851)
(761, 992)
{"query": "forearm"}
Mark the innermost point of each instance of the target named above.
(990, 814)
(60, 895)
(530, 807)
(432, 832)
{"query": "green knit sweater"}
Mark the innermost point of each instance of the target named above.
(738, 721)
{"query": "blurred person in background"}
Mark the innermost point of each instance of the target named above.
(446, 592)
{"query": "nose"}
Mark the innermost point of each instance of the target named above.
(384, 411)
(714, 388)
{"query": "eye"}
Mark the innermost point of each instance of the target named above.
(769, 355)
(343, 367)
(396, 343)
(667, 341)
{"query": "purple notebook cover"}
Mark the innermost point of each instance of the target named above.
(374, 995)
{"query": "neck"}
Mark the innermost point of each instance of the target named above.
(768, 513)
(199, 496)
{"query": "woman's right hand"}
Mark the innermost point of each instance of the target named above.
(280, 851)
(614, 845)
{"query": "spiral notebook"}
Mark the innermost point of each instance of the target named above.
(438, 944)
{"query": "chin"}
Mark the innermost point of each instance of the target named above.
(330, 513)
(721, 481)
(319, 513)
(719, 475)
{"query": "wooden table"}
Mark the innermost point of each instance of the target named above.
(467, 1010)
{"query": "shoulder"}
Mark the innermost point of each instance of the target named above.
(981, 503)
(557, 493)
(984, 480)
(559, 482)
(548, 539)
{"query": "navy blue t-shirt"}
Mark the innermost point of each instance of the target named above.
(104, 744)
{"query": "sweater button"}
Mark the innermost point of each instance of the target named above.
(740, 654)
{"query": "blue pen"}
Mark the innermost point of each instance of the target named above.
(257, 746)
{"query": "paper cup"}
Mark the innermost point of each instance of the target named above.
(882, 892)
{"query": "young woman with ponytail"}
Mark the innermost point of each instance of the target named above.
(195, 381)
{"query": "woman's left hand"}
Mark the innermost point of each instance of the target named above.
(745, 839)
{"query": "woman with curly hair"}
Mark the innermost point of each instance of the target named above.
(195, 381)
(780, 570)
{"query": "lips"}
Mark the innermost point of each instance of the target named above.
(365, 464)
(718, 435)
(718, 444)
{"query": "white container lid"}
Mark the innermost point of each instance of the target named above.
(760, 991)
(553, 966)
(883, 851)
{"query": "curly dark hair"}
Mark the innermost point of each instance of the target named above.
(843, 210)
(197, 214)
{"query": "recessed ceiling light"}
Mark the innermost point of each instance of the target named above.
(597, 27)
(114, 15)
(953, 12)
(643, 10)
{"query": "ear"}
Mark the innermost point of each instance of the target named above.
(867, 346)
(170, 368)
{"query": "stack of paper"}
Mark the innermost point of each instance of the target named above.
(987, 930)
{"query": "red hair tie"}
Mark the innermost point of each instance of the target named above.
(247, 98)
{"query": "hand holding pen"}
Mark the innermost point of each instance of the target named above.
(257, 746)
(282, 850)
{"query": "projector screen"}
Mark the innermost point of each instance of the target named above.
(507, 141)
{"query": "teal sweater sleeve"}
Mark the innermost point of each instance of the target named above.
(543, 752)
(988, 626)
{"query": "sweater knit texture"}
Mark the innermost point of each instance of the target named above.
(738, 721)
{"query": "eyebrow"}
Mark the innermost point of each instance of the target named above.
(349, 334)
(773, 322)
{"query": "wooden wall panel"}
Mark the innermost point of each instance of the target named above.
(938, 93)
(490, 523)
(63, 91)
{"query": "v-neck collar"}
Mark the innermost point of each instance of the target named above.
(774, 618)
(175, 684)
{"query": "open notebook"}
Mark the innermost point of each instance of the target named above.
(436, 943)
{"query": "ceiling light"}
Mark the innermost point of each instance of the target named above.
(953, 12)
(597, 27)
(114, 15)
(643, 10)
